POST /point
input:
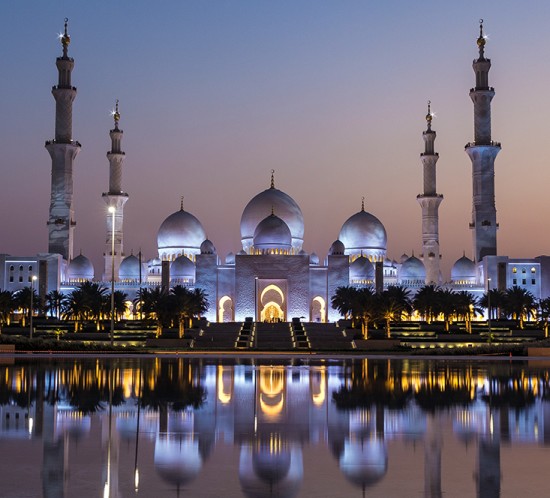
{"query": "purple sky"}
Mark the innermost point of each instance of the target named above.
(332, 95)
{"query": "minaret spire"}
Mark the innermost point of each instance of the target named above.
(429, 201)
(115, 198)
(363, 203)
(272, 178)
(483, 152)
(63, 150)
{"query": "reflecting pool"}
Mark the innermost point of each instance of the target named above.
(181, 427)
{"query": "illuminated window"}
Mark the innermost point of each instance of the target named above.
(514, 270)
(533, 270)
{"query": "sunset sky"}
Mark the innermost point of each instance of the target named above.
(330, 94)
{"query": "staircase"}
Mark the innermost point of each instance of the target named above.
(273, 337)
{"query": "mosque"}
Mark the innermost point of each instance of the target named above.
(271, 277)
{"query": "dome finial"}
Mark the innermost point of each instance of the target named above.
(481, 40)
(272, 178)
(116, 115)
(363, 203)
(181, 203)
(65, 38)
(429, 116)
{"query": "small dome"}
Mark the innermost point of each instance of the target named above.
(302, 253)
(262, 204)
(364, 462)
(364, 233)
(313, 259)
(412, 269)
(337, 248)
(182, 268)
(207, 247)
(180, 233)
(80, 268)
(403, 257)
(177, 461)
(464, 270)
(361, 269)
(230, 259)
(129, 269)
(272, 233)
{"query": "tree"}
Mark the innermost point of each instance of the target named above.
(343, 301)
(120, 302)
(156, 304)
(497, 298)
(544, 314)
(467, 307)
(447, 306)
(519, 304)
(54, 303)
(23, 301)
(188, 304)
(7, 305)
(426, 302)
(392, 304)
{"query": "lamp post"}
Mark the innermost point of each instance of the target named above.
(33, 279)
(112, 210)
(489, 306)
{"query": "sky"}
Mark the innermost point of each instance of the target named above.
(332, 95)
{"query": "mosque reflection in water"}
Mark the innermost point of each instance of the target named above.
(180, 427)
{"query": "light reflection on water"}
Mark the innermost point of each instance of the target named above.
(206, 428)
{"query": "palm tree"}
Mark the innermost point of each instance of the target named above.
(519, 303)
(497, 303)
(392, 304)
(188, 304)
(23, 301)
(343, 301)
(447, 306)
(426, 302)
(156, 304)
(7, 305)
(544, 314)
(54, 302)
(364, 307)
(74, 308)
(121, 306)
(467, 307)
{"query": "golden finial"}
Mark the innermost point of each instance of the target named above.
(429, 116)
(65, 38)
(363, 203)
(272, 178)
(481, 40)
(181, 203)
(116, 114)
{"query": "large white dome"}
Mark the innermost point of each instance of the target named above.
(180, 233)
(464, 271)
(272, 200)
(363, 233)
(272, 233)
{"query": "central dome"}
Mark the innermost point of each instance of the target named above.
(272, 200)
(180, 233)
(363, 233)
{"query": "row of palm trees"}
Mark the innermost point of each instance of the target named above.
(365, 306)
(91, 302)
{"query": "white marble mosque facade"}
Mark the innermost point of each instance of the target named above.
(271, 276)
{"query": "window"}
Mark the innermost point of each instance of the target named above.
(533, 270)
(514, 270)
(514, 281)
(30, 268)
(524, 282)
(533, 281)
(20, 279)
(12, 268)
(30, 278)
(523, 270)
(11, 278)
(21, 268)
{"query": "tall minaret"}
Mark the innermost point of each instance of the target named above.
(483, 152)
(115, 199)
(63, 150)
(429, 200)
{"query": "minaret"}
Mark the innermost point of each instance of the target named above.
(430, 200)
(483, 152)
(115, 199)
(63, 150)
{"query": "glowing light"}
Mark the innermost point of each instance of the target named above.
(31, 424)
(136, 480)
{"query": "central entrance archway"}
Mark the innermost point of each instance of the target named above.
(272, 300)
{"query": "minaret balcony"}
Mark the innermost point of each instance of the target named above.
(436, 154)
(490, 143)
(70, 142)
